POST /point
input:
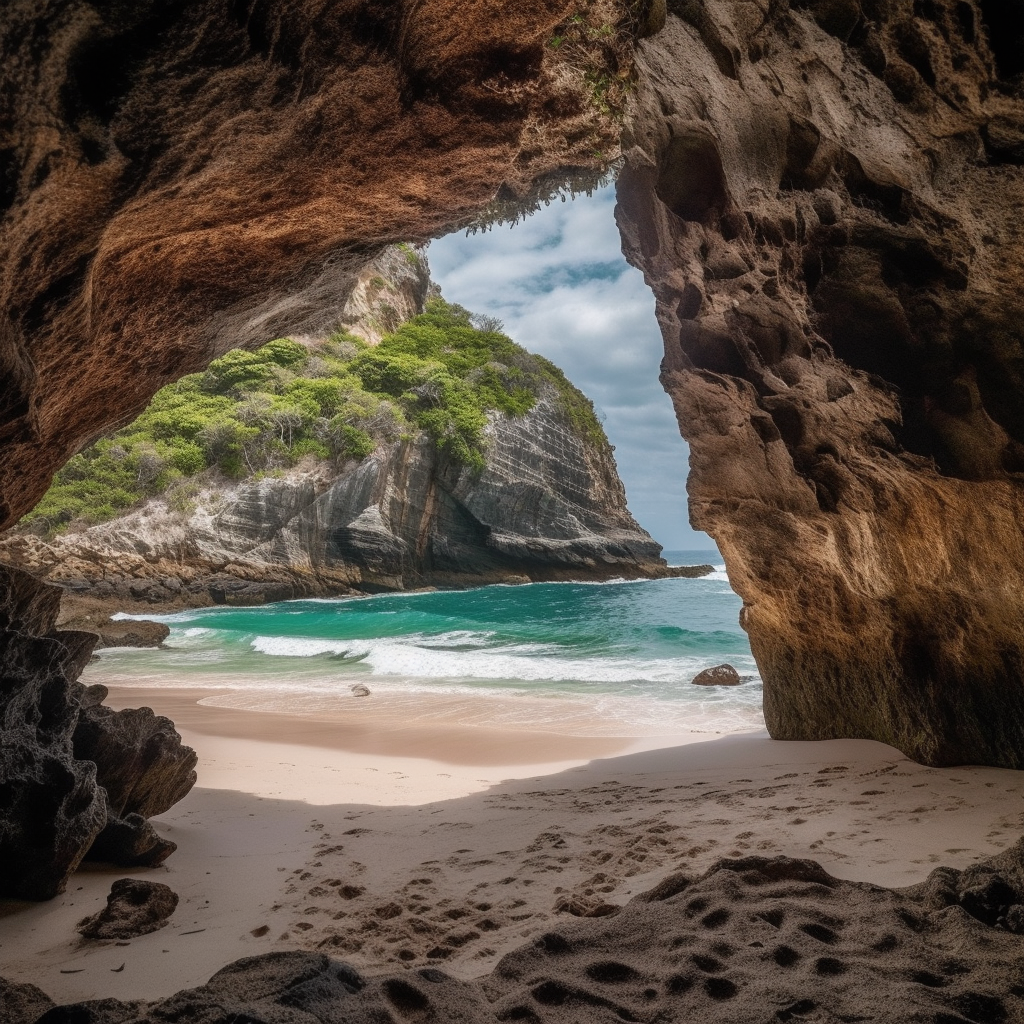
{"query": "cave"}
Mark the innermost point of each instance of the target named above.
(840, 304)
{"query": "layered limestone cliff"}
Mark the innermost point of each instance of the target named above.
(548, 504)
(826, 199)
(546, 501)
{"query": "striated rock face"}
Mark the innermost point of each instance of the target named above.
(826, 199)
(75, 777)
(548, 504)
(752, 939)
(180, 179)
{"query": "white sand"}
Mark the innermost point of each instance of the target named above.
(386, 860)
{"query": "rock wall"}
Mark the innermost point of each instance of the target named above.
(177, 179)
(76, 779)
(826, 199)
(548, 504)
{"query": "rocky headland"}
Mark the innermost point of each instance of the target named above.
(540, 499)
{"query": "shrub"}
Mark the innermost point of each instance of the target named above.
(253, 413)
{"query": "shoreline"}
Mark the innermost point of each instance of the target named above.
(386, 860)
(99, 599)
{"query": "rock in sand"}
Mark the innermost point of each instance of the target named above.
(134, 907)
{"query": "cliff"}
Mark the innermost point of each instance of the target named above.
(456, 469)
(547, 505)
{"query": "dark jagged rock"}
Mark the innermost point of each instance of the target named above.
(22, 1004)
(134, 907)
(140, 759)
(72, 772)
(753, 939)
(144, 769)
(51, 807)
(719, 675)
(826, 199)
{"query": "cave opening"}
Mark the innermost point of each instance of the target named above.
(559, 283)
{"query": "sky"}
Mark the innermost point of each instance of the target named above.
(561, 286)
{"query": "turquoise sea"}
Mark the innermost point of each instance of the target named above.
(585, 658)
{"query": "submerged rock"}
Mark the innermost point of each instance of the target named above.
(720, 675)
(134, 907)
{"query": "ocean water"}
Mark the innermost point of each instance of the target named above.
(612, 658)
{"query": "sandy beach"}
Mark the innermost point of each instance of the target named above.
(450, 845)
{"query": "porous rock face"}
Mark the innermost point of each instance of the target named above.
(60, 750)
(135, 906)
(51, 807)
(178, 179)
(547, 505)
(753, 939)
(826, 197)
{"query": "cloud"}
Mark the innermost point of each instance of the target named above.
(560, 284)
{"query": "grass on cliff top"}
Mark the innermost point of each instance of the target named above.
(256, 413)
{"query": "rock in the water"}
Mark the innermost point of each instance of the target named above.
(720, 675)
(135, 906)
(360, 690)
(130, 633)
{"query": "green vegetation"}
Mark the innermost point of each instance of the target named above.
(252, 414)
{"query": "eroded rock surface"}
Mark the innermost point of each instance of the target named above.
(135, 906)
(75, 777)
(753, 939)
(51, 807)
(827, 199)
(180, 179)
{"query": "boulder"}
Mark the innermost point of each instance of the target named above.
(144, 768)
(720, 675)
(139, 757)
(134, 907)
(22, 1004)
(360, 690)
(51, 806)
(130, 633)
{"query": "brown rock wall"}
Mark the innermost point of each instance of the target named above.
(179, 179)
(835, 244)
